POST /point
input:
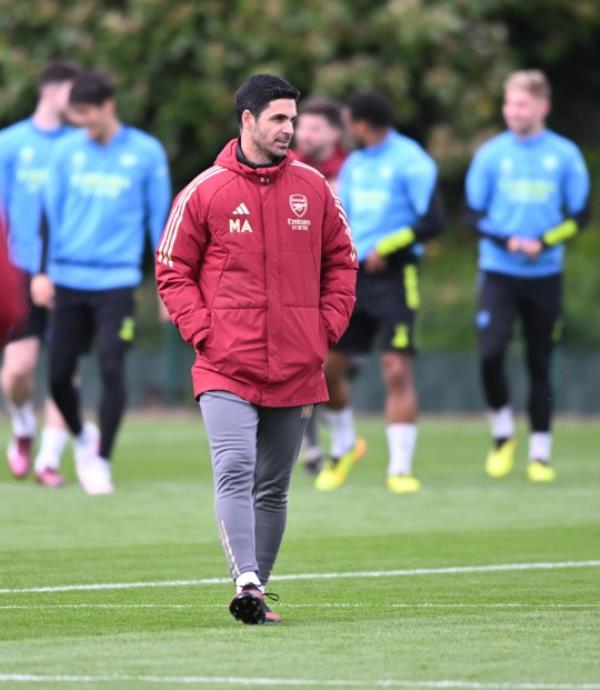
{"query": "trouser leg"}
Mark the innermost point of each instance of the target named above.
(495, 318)
(280, 432)
(231, 424)
(115, 331)
(540, 312)
(71, 325)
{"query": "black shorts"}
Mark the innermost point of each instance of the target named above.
(36, 320)
(82, 317)
(536, 302)
(386, 306)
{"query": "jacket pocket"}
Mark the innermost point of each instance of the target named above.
(236, 344)
(303, 341)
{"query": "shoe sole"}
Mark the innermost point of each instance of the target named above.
(247, 608)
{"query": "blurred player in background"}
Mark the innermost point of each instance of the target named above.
(527, 195)
(25, 150)
(319, 135)
(257, 269)
(389, 190)
(107, 185)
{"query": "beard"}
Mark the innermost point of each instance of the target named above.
(272, 150)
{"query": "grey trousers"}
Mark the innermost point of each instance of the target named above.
(253, 451)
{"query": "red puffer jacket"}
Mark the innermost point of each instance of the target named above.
(257, 269)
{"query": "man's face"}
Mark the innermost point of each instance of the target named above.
(358, 130)
(57, 95)
(273, 129)
(95, 119)
(523, 112)
(316, 137)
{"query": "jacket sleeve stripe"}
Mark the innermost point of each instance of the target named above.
(170, 234)
(299, 164)
(165, 249)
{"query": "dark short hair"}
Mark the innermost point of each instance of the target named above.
(258, 91)
(91, 88)
(328, 108)
(57, 71)
(372, 108)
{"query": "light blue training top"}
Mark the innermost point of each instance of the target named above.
(101, 199)
(525, 187)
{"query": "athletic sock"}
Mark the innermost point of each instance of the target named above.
(402, 439)
(249, 578)
(52, 444)
(540, 446)
(343, 437)
(502, 424)
(23, 419)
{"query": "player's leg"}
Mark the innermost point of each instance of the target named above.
(231, 424)
(17, 378)
(346, 449)
(113, 326)
(495, 317)
(21, 361)
(70, 332)
(540, 312)
(279, 437)
(53, 440)
(397, 313)
(312, 453)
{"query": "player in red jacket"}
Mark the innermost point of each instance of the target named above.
(257, 269)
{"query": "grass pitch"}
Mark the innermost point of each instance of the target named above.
(451, 624)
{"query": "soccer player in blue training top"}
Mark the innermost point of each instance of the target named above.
(527, 194)
(107, 185)
(25, 150)
(389, 190)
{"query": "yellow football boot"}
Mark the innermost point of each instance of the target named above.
(540, 471)
(500, 461)
(335, 472)
(403, 484)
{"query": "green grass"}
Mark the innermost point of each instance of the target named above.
(515, 627)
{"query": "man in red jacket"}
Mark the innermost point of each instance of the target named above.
(257, 269)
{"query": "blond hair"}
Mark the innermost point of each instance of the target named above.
(533, 81)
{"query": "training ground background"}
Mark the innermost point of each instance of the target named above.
(470, 584)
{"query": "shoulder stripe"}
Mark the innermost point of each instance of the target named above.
(179, 207)
(165, 248)
(299, 164)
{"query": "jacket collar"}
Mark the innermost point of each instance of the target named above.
(232, 158)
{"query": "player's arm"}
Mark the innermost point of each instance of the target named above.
(576, 192)
(338, 269)
(478, 192)
(178, 258)
(157, 200)
(5, 176)
(42, 288)
(158, 194)
(428, 225)
(475, 221)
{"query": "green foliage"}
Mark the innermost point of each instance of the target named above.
(441, 62)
